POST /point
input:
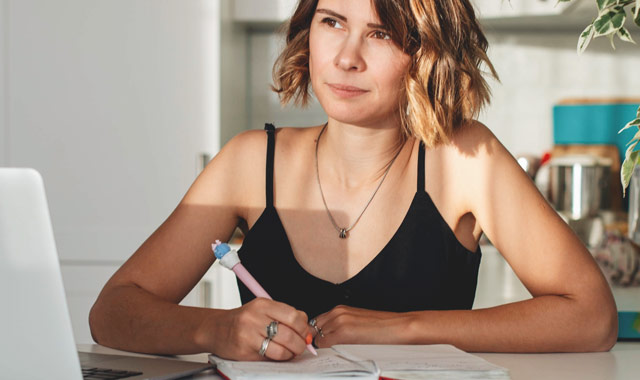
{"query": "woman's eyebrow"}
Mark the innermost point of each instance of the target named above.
(341, 17)
(331, 13)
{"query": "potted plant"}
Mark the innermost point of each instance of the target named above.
(610, 21)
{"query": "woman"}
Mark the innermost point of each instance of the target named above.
(369, 224)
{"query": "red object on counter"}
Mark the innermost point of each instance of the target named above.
(545, 158)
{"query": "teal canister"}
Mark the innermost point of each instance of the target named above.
(586, 121)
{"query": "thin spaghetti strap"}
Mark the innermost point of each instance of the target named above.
(271, 142)
(421, 167)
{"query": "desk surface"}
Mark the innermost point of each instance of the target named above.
(622, 362)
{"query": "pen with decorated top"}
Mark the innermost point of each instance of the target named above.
(229, 259)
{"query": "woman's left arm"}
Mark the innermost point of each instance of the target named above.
(572, 309)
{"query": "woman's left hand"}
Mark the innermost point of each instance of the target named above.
(351, 325)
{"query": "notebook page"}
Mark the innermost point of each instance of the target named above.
(326, 364)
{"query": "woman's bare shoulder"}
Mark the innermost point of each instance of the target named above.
(471, 158)
(294, 145)
(285, 136)
(474, 140)
(246, 152)
(235, 166)
(291, 136)
(242, 161)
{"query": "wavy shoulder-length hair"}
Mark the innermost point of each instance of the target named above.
(444, 86)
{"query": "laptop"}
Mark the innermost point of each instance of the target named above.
(36, 339)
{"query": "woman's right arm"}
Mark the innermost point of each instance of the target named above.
(138, 309)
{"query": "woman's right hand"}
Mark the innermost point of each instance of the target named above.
(238, 333)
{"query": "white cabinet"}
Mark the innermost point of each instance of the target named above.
(113, 101)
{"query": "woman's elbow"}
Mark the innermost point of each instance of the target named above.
(603, 327)
(95, 322)
(609, 329)
(100, 316)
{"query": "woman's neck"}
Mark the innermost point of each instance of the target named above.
(355, 156)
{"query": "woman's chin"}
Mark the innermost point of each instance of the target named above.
(353, 115)
(358, 118)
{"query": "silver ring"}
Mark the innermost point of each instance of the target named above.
(263, 348)
(272, 329)
(313, 323)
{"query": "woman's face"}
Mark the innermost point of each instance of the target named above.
(356, 70)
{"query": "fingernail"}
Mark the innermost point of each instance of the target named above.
(309, 338)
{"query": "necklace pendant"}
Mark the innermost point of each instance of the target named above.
(343, 233)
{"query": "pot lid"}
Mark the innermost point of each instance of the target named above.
(581, 159)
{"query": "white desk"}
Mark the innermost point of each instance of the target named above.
(621, 363)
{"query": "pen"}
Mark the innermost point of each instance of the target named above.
(229, 259)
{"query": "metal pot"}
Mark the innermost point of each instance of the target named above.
(580, 185)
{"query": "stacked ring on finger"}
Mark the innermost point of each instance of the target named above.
(313, 323)
(272, 329)
(263, 348)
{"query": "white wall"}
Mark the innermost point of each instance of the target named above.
(538, 69)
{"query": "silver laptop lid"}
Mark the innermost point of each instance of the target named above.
(36, 339)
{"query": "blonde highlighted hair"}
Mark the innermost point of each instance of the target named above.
(444, 86)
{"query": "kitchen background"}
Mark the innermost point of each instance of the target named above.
(118, 103)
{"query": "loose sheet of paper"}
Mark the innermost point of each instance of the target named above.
(440, 357)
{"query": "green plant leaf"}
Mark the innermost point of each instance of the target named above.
(610, 36)
(603, 24)
(624, 35)
(632, 123)
(619, 18)
(636, 13)
(602, 4)
(632, 143)
(630, 150)
(627, 170)
(585, 38)
(609, 22)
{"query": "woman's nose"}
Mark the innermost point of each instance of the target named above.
(349, 57)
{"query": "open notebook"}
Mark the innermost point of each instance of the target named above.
(369, 362)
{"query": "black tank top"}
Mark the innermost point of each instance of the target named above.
(422, 267)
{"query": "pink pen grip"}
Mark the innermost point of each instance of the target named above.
(250, 282)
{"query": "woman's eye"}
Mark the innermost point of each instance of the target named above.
(381, 35)
(331, 22)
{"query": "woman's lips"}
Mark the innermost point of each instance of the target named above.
(345, 91)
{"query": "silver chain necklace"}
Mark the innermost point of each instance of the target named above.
(344, 230)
